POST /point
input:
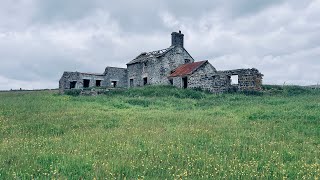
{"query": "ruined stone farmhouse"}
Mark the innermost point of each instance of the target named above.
(171, 66)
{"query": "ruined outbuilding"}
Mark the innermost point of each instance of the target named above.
(171, 66)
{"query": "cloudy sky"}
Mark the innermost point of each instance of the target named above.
(39, 39)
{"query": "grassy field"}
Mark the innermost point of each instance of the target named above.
(160, 133)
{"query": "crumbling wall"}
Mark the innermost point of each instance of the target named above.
(115, 74)
(220, 81)
(248, 79)
(67, 77)
(93, 78)
(135, 73)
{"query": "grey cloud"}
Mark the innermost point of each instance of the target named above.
(39, 39)
(142, 15)
(61, 10)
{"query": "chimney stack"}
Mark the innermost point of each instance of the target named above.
(177, 39)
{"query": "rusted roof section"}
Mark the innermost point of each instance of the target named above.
(187, 69)
(146, 56)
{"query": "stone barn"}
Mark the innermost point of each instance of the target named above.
(171, 66)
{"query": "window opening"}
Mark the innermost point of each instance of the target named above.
(98, 83)
(73, 84)
(235, 79)
(86, 83)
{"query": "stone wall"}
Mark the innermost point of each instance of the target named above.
(248, 79)
(171, 61)
(77, 77)
(177, 82)
(135, 74)
(157, 69)
(151, 69)
(215, 83)
(115, 74)
(66, 78)
(93, 78)
(202, 77)
(220, 83)
(207, 78)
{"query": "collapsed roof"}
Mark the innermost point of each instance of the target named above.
(148, 55)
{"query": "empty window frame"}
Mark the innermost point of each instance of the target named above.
(187, 61)
(234, 79)
(73, 84)
(86, 83)
(98, 83)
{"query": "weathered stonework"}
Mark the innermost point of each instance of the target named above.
(248, 79)
(156, 67)
(171, 66)
(206, 77)
(114, 74)
(77, 80)
(202, 77)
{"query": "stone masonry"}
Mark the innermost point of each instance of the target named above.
(170, 66)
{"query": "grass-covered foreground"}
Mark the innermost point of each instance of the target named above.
(160, 133)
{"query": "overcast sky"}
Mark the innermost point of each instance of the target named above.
(39, 39)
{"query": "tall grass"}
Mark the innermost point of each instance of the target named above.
(161, 133)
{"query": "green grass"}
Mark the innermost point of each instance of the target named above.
(161, 133)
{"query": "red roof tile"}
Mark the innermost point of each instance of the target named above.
(187, 69)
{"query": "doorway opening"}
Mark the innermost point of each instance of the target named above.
(171, 81)
(185, 82)
(145, 81)
(131, 82)
(114, 84)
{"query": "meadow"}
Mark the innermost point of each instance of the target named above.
(161, 133)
